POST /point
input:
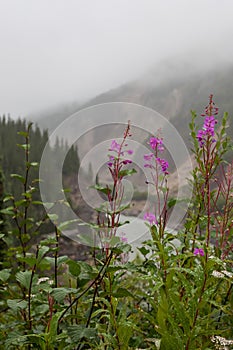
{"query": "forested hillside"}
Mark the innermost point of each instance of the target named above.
(14, 164)
(12, 156)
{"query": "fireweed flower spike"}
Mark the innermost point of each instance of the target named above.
(198, 251)
(210, 109)
(118, 149)
(114, 146)
(108, 218)
(156, 143)
(206, 134)
(164, 165)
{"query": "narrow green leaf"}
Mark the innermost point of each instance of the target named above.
(18, 177)
(127, 172)
(99, 188)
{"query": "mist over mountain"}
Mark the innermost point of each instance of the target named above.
(173, 89)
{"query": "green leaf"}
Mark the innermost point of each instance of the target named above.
(74, 268)
(24, 146)
(7, 211)
(53, 217)
(22, 202)
(125, 331)
(16, 304)
(102, 189)
(64, 225)
(48, 205)
(42, 251)
(4, 275)
(59, 294)
(37, 202)
(122, 292)
(18, 177)
(23, 133)
(52, 332)
(31, 261)
(77, 332)
(24, 278)
(114, 241)
(171, 202)
(143, 251)
(32, 164)
(126, 172)
(60, 260)
(8, 198)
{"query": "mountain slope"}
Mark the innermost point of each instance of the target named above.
(172, 96)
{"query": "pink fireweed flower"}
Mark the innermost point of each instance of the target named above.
(118, 160)
(207, 130)
(201, 137)
(198, 251)
(127, 161)
(111, 161)
(156, 143)
(209, 125)
(150, 217)
(123, 238)
(164, 165)
(114, 146)
(148, 166)
(148, 156)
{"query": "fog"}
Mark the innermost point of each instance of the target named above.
(57, 51)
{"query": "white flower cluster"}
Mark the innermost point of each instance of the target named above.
(222, 274)
(217, 274)
(228, 273)
(44, 279)
(221, 343)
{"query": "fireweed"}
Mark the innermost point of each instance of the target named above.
(187, 296)
(175, 297)
(108, 219)
(212, 179)
(158, 179)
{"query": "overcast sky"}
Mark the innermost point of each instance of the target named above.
(58, 51)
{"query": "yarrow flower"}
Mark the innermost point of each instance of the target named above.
(222, 342)
(151, 218)
(198, 251)
(217, 274)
